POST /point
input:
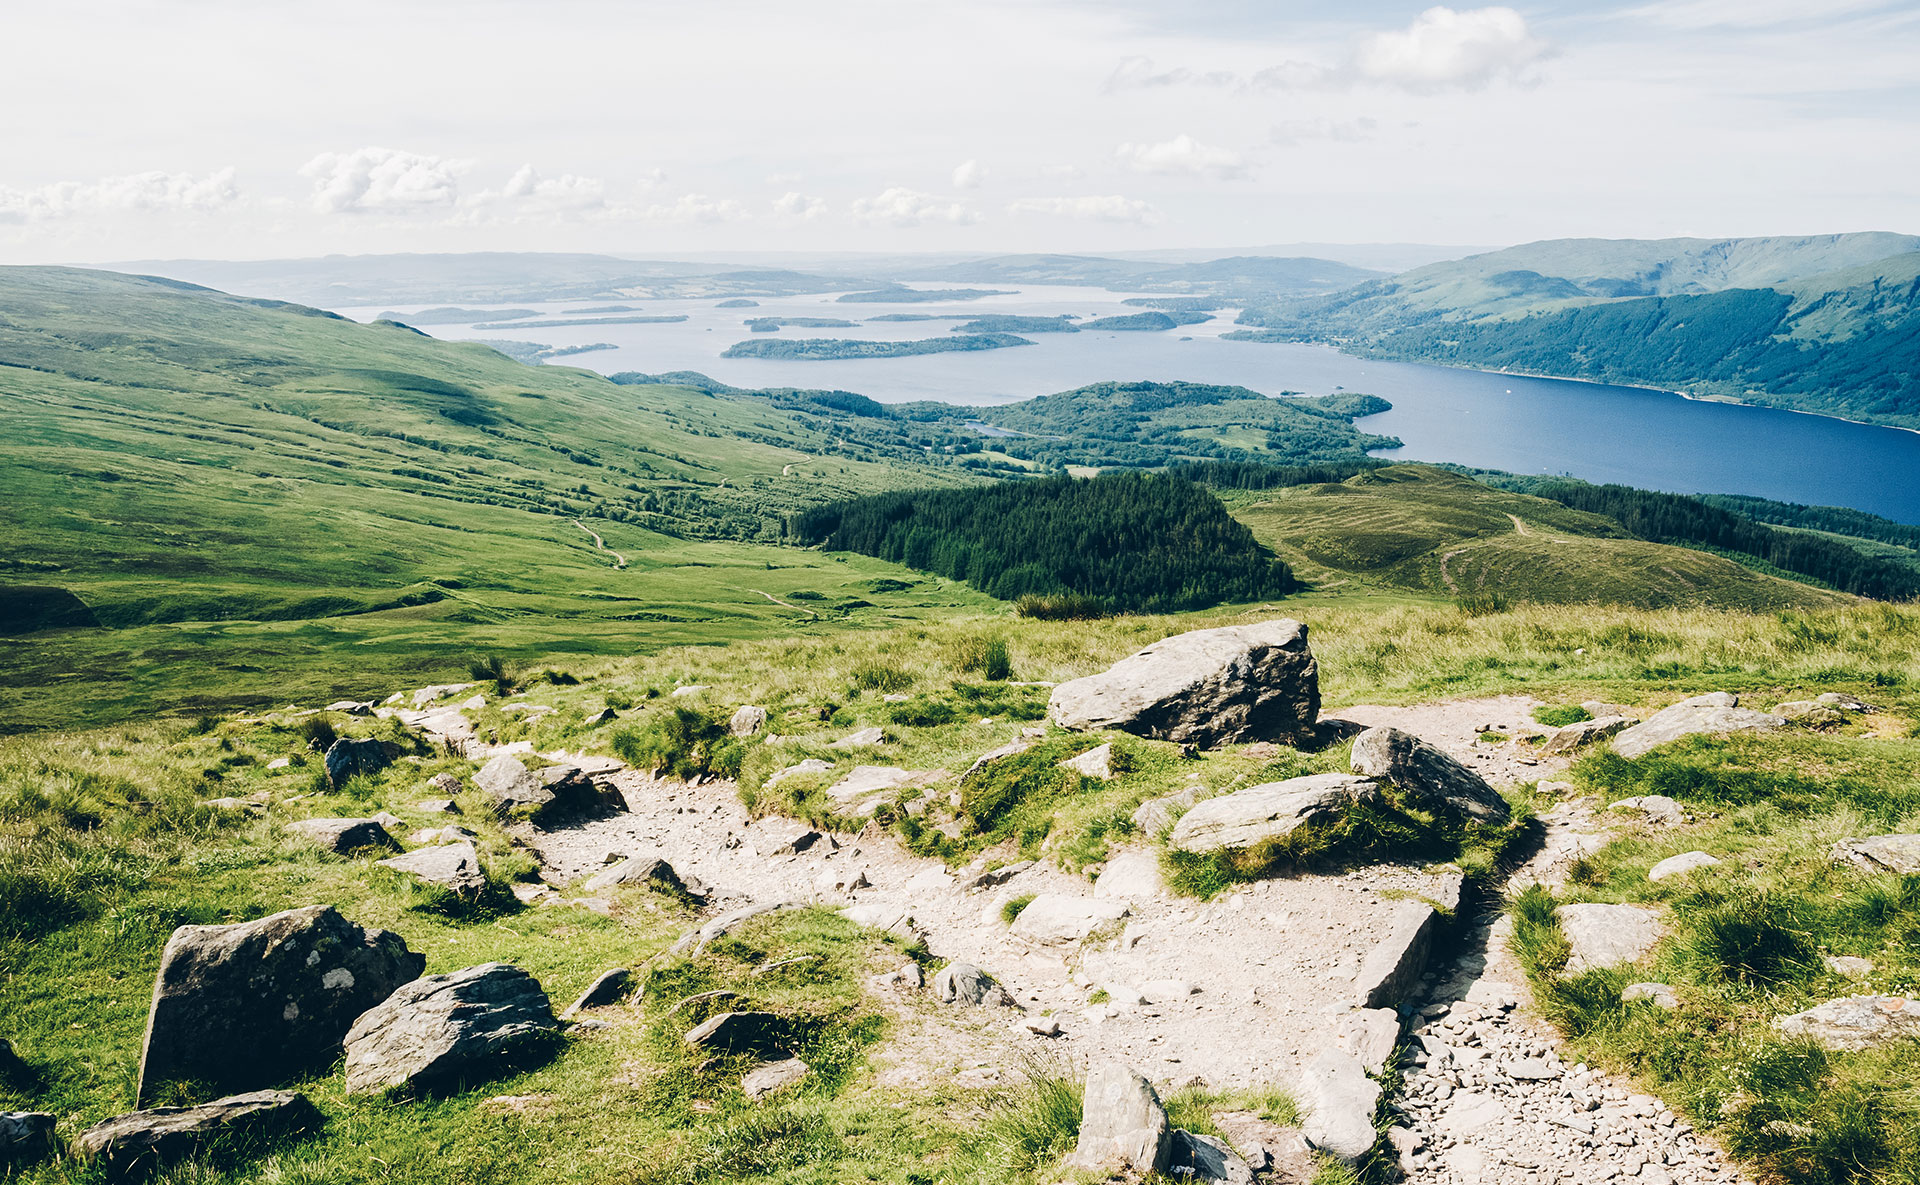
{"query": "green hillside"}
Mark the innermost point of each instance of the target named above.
(259, 501)
(1428, 531)
(1827, 323)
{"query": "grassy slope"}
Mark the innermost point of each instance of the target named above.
(1428, 531)
(301, 503)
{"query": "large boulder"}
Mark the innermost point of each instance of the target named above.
(1207, 687)
(1855, 1022)
(1601, 936)
(454, 867)
(1585, 732)
(343, 837)
(1717, 713)
(1338, 1100)
(250, 1004)
(747, 720)
(1122, 1124)
(143, 1141)
(348, 757)
(1393, 968)
(964, 983)
(1425, 776)
(1268, 812)
(446, 1029)
(1059, 918)
(1898, 854)
(550, 791)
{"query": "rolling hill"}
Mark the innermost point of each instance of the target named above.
(1423, 530)
(1825, 323)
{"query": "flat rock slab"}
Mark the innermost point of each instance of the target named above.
(1338, 1100)
(1586, 732)
(610, 988)
(250, 1004)
(1608, 935)
(446, 1029)
(1657, 809)
(1680, 865)
(343, 837)
(1122, 1124)
(1274, 810)
(1393, 967)
(1369, 1034)
(1132, 875)
(738, 1032)
(1880, 853)
(1198, 1158)
(1714, 714)
(1425, 775)
(1855, 1022)
(1052, 919)
(147, 1140)
(454, 867)
(1206, 687)
(762, 1081)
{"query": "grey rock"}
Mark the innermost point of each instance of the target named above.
(1607, 935)
(893, 917)
(867, 787)
(239, 805)
(812, 765)
(343, 837)
(1855, 1022)
(1657, 994)
(351, 707)
(143, 1141)
(1012, 748)
(763, 1080)
(447, 784)
(1715, 714)
(348, 757)
(1096, 762)
(737, 1032)
(652, 871)
(1156, 815)
(1207, 687)
(997, 876)
(25, 1136)
(1598, 708)
(446, 1029)
(1266, 812)
(1166, 991)
(964, 983)
(1898, 854)
(1847, 966)
(603, 716)
(1585, 732)
(432, 836)
(1122, 1125)
(1425, 776)
(453, 866)
(1680, 865)
(1338, 1100)
(860, 739)
(1393, 967)
(784, 837)
(1843, 701)
(610, 988)
(511, 785)
(437, 806)
(1657, 809)
(696, 940)
(1132, 875)
(1052, 919)
(1193, 1157)
(1369, 1035)
(1812, 714)
(747, 720)
(249, 1004)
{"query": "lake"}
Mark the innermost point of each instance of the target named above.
(1652, 439)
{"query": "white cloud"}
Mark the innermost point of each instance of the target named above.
(382, 180)
(698, 207)
(1182, 154)
(1139, 73)
(1064, 172)
(794, 204)
(567, 193)
(909, 207)
(150, 192)
(1443, 48)
(969, 175)
(1111, 207)
(1346, 131)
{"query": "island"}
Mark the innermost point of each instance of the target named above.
(1152, 322)
(825, 348)
(775, 324)
(918, 295)
(535, 353)
(738, 302)
(1006, 323)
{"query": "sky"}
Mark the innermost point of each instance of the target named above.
(238, 129)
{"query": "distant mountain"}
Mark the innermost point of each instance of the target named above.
(1237, 277)
(1825, 323)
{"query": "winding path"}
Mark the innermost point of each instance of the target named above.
(619, 561)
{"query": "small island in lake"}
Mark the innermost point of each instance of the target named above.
(824, 348)
(775, 324)
(918, 295)
(1007, 323)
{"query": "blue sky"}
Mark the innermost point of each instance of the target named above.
(225, 128)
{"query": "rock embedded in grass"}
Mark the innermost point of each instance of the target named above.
(861, 739)
(757, 1033)
(812, 765)
(1680, 865)
(349, 757)
(1715, 714)
(763, 1080)
(343, 837)
(1657, 994)
(1271, 811)
(1122, 1124)
(1811, 714)
(1574, 736)
(1425, 776)
(1206, 687)
(142, 1142)
(1898, 854)
(1096, 762)
(1657, 809)
(25, 1136)
(445, 1029)
(454, 867)
(747, 720)
(610, 987)
(1601, 936)
(1855, 1022)
(250, 1004)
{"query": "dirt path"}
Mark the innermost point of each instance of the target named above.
(785, 604)
(619, 561)
(1519, 526)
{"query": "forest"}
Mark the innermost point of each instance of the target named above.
(1135, 541)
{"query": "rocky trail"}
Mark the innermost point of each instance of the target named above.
(1242, 991)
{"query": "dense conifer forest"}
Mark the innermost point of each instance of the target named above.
(1136, 541)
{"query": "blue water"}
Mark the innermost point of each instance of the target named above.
(1652, 439)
